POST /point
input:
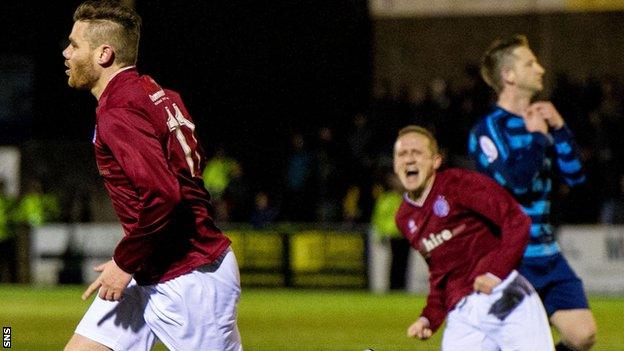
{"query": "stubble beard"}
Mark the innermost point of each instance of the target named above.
(82, 76)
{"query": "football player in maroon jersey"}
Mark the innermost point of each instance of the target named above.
(172, 275)
(472, 234)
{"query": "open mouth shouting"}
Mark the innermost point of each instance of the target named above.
(409, 173)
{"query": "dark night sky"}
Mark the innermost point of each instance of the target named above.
(250, 72)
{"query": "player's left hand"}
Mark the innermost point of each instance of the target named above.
(485, 283)
(548, 112)
(420, 329)
(111, 282)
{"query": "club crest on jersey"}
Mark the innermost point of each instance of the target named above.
(488, 148)
(441, 207)
(411, 225)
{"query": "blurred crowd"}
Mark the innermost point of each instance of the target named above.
(343, 173)
(338, 174)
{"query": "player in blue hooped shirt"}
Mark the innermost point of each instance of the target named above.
(523, 145)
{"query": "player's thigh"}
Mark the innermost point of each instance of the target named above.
(566, 292)
(197, 311)
(82, 343)
(467, 340)
(462, 331)
(526, 328)
(576, 327)
(117, 325)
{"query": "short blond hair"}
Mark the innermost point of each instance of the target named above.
(497, 56)
(113, 24)
(433, 143)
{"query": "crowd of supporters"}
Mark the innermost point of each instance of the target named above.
(337, 174)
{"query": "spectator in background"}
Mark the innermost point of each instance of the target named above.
(605, 135)
(264, 212)
(351, 210)
(421, 107)
(383, 114)
(7, 239)
(36, 207)
(297, 203)
(328, 177)
(218, 172)
(359, 142)
(76, 206)
(386, 239)
(217, 176)
(357, 203)
(236, 196)
(471, 98)
(612, 211)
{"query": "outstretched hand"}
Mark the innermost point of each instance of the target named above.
(112, 282)
(420, 329)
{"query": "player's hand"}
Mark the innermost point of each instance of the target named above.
(547, 111)
(111, 282)
(534, 121)
(419, 329)
(485, 283)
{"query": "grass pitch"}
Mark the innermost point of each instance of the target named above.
(44, 319)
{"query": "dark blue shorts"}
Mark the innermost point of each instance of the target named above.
(556, 283)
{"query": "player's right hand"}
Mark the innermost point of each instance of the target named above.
(547, 111)
(111, 282)
(534, 122)
(419, 329)
(485, 283)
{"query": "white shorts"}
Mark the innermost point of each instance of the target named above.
(195, 311)
(512, 317)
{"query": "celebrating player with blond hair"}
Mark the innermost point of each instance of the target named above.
(472, 235)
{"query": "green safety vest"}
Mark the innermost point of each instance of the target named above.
(37, 209)
(217, 175)
(385, 209)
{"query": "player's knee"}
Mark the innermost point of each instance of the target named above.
(70, 347)
(581, 339)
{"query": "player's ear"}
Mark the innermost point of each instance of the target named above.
(395, 166)
(508, 75)
(105, 55)
(437, 161)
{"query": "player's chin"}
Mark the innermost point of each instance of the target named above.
(78, 85)
(412, 183)
(71, 81)
(412, 187)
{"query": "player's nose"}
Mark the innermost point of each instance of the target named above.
(65, 53)
(540, 69)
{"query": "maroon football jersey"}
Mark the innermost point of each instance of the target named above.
(151, 162)
(467, 226)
